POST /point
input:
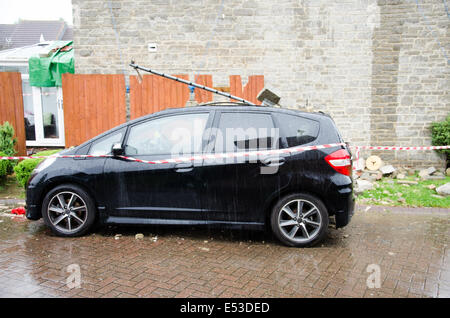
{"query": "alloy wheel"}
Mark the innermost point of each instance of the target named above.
(67, 212)
(299, 221)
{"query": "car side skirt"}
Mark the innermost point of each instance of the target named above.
(148, 221)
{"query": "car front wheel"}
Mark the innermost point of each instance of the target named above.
(299, 220)
(68, 210)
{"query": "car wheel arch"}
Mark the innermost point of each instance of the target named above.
(275, 198)
(56, 183)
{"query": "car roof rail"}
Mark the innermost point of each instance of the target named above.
(226, 104)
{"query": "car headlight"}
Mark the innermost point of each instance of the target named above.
(44, 164)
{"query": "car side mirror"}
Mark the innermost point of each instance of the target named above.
(117, 149)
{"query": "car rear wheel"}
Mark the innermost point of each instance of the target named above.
(299, 220)
(68, 210)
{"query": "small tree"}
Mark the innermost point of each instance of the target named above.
(7, 143)
(7, 140)
(440, 136)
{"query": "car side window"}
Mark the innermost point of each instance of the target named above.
(239, 131)
(103, 145)
(298, 130)
(178, 134)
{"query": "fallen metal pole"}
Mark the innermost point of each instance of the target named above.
(206, 88)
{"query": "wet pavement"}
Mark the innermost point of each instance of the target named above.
(410, 246)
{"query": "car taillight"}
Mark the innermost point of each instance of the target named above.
(340, 161)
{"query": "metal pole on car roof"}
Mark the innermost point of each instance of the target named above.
(206, 88)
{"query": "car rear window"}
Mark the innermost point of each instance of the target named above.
(298, 130)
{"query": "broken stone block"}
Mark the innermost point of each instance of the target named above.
(435, 178)
(388, 169)
(444, 189)
(447, 172)
(407, 182)
(427, 172)
(401, 176)
(363, 185)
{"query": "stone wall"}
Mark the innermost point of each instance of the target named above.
(380, 68)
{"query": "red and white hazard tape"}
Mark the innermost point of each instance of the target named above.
(400, 148)
(54, 156)
(290, 151)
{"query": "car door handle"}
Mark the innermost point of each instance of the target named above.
(273, 161)
(184, 167)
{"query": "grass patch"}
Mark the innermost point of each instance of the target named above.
(417, 195)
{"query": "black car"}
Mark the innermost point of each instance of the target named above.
(210, 165)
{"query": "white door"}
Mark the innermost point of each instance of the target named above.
(44, 117)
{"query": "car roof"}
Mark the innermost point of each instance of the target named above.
(230, 107)
(235, 107)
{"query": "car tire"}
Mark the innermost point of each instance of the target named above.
(304, 229)
(68, 210)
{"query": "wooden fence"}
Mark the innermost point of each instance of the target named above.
(11, 107)
(93, 104)
(250, 91)
(156, 93)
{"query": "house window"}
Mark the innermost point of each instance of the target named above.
(43, 110)
(49, 103)
(43, 114)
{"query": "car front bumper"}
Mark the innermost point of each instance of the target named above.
(33, 208)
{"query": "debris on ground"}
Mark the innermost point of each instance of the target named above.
(444, 189)
(386, 170)
(363, 185)
(18, 211)
(378, 182)
(407, 182)
(373, 163)
(117, 236)
(427, 172)
(139, 236)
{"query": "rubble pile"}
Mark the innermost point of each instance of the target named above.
(367, 172)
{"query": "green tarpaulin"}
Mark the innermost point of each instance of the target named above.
(47, 71)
